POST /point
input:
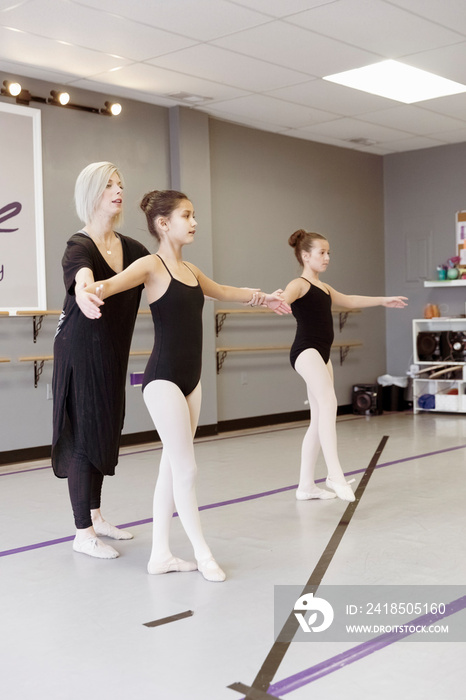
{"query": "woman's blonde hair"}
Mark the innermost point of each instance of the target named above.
(90, 186)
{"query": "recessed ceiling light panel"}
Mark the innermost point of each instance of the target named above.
(397, 81)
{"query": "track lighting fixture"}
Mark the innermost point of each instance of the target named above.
(11, 89)
(111, 109)
(57, 97)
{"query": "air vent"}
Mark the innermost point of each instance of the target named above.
(188, 97)
(362, 141)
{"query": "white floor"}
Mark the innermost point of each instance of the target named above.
(73, 627)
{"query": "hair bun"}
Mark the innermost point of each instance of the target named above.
(147, 200)
(295, 237)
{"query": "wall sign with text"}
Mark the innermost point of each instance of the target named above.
(22, 257)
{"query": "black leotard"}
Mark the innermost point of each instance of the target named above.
(177, 352)
(315, 325)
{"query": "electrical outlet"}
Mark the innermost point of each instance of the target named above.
(244, 378)
(49, 392)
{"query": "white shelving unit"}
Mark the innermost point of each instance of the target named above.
(445, 283)
(447, 336)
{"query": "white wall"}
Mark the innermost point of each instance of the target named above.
(264, 187)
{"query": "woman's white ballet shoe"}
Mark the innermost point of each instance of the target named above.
(343, 491)
(105, 529)
(171, 565)
(95, 548)
(322, 494)
(211, 570)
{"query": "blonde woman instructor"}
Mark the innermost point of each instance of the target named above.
(90, 360)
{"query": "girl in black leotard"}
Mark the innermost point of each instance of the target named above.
(172, 390)
(311, 302)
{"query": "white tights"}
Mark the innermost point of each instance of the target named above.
(322, 430)
(175, 418)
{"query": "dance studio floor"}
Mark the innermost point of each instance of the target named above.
(73, 627)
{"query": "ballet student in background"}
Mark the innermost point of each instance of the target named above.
(311, 303)
(171, 386)
(90, 360)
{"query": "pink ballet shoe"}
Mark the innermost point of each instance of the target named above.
(343, 491)
(170, 566)
(211, 570)
(321, 494)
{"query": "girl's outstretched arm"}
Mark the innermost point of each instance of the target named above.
(354, 301)
(243, 295)
(135, 274)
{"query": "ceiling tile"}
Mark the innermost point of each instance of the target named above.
(297, 48)
(25, 70)
(414, 119)
(6, 4)
(449, 62)
(458, 136)
(49, 53)
(90, 28)
(276, 49)
(268, 110)
(451, 105)
(375, 26)
(152, 79)
(202, 19)
(244, 121)
(450, 14)
(278, 8)
(129, 93)
(332, 97)
(347, 128)
(213, 63)
(414, 144)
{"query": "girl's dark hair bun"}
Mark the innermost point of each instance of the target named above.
(295, 237)
(146, 201)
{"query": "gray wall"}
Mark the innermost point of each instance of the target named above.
(250, 189)
(264, 187)
(422, 192)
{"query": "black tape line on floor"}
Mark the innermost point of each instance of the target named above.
(252, 693)
(166, 620)
(277, 653)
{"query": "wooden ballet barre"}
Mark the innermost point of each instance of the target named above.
(136, 353)
(38, 365)
(221, 314)
(222, 352)
(4, 359)
(343, 315)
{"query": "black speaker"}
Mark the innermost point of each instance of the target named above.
(429, 346)
(453, 346)
(367, 399)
